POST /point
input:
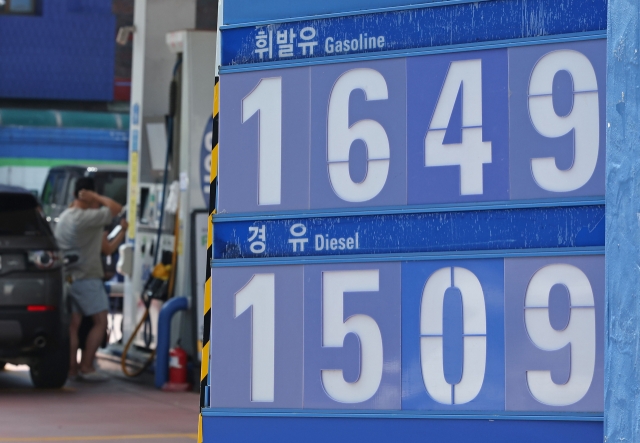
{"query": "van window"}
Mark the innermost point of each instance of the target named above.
(112, 185)
(47, 191)
(54, 189)
(71, 187)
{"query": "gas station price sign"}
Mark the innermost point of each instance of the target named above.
(484, 126)
(411, 242)
(494, 334)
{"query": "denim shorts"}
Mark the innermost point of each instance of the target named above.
(88, 296)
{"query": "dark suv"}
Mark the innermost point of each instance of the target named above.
(33, 308)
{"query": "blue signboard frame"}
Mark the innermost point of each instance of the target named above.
(436, 25)
(554, 228)
(276, 228)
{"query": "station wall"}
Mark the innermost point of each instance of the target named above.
(65, 51)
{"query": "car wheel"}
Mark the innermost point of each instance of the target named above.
(51, 368)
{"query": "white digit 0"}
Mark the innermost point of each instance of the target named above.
(259, 294)
(340, 136)
(474, 331)
(472, 153)
(580, 333)
(266, 98)
(335, 328)
(584, 119)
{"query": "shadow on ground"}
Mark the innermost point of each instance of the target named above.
(119, 410)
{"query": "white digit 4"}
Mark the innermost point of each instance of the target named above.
(266, 98)
(335, 328)
(580, 333)
(259, 294)
(340, 136)
(472, 153)
(584, 119)
(474, 322)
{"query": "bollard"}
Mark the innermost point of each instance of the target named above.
(164, 337)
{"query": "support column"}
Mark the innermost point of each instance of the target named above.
(622, 338)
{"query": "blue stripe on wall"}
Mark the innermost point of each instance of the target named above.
(64, 143)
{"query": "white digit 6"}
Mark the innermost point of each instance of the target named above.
(580, 333)
(584, 119)
(266, 98)
(472, 153)
(474, 322)
(340, 136)
(259, 294)
(335, 328)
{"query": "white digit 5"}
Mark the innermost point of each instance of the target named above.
(584, 119)
(340, 136)
(267, 99)
(335, 328)
(474, 330)
(472, 153)
(580, 333)
(259, 294)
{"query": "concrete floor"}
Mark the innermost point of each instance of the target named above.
(119, 410)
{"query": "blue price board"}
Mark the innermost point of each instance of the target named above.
(410, 229)
(507, 334)
(487, 126)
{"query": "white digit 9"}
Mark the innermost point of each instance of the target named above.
(472, 153)
(580, 333)
(474, 322)
(266, 98)
(335, 328)
(584, 119)
(340, 136)
(259, 294)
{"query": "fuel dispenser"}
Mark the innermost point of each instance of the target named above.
(165, 169)
(147, 252)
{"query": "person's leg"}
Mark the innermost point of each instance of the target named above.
(74, 325)
(94, 339)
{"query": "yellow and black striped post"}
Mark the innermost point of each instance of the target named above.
(204, 372)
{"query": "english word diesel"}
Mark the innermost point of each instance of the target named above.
(324, 242)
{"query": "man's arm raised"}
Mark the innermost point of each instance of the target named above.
(114, 206)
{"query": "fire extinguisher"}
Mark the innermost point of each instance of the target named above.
(177, 370)
(177, 365)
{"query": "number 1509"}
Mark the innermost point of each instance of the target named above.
(493, 334)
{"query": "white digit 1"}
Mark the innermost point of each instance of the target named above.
(472, 153)
(266, 98)
(340, 136)
(580, 333)
(259, 294)
(584, 119)
(335, 328)
(474, 323)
